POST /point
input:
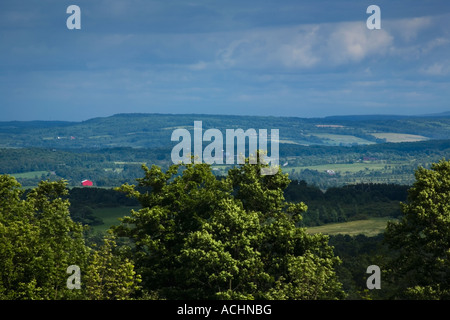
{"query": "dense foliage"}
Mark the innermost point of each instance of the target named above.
(39, 241)
(346, 203)
(420, 267)
(200, 237)
(242, 236)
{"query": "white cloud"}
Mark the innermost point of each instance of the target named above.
(226, 56)
(201, 65)
(409, 28)
(299, 51)
(437, 69)
(352, 41)
(303, 47)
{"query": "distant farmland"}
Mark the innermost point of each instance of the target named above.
(337, 139)
(399, 137)
(347, 167)
(30, 174)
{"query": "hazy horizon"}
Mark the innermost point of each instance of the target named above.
(444, 113)
(308, 59)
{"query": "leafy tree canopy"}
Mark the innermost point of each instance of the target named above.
(39, 241)
(421, 239)
(202, 237)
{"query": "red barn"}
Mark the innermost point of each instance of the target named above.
(86, 183)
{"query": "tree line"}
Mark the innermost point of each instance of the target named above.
(115, 166)
(337, 204)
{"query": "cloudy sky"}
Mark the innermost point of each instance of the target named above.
(248, 57)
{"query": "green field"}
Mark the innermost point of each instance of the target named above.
(346, 167)
(110, 216)
(30, 174)
(370, 227)
(337, 139)
(399, 137)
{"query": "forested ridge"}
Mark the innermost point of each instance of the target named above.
(154, 130)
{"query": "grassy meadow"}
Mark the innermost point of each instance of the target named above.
(110, 216)
(369, 227)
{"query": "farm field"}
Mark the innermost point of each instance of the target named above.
(399, 137)
(337, 139)
(110, 216)
(343, 168)
(370, 227)
(30, 174)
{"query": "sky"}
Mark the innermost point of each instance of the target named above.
(308, 58)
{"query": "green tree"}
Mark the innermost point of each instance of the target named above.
(108, 276)
(39, 241)
(202, 237)
(421, 239)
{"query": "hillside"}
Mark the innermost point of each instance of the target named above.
(326, 152)
(154, 130)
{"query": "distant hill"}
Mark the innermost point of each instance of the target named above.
(377, 117)
(369, 117)
(7, 126)
(154, 130)
(441, 114)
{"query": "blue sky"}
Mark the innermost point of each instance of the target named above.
(281, 58)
